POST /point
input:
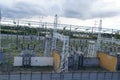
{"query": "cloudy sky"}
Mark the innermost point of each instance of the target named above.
(78, 12)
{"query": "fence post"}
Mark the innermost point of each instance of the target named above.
(118, 75)
(112, 76)
(72, 75)
(51, 76)
(81, 75)
(96, 75)
(41, 76)
(89, 76)
(104, 75)
(20, 75)
(31, 76)
(60, 76)
(8, 75)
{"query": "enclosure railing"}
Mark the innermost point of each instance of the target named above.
(61, 76)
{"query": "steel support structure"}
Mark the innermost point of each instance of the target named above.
(65, 48)
(99, 36)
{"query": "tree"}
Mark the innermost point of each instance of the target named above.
(117, 35)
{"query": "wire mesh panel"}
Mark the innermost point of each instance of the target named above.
(76, 76)
(66, 76)
(4, 77)
(100, 76)
(15, 77)
(93, 76)
(46, 76)
(62, 76)
(85, 76)
(26, 76)
(36, 76)
(116, 76)
(56, 76)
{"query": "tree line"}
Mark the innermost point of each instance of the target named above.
(26, 30)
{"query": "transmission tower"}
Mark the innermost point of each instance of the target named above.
(54, 31)
(0, 20)
(99, 36)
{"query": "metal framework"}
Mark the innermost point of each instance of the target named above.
(99, 36)
(65, 48)
(0, 25)
(47, 50)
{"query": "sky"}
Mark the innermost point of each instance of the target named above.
(77, 12)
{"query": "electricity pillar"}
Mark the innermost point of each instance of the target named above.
(99, 36)
(0, 26)
(54, 31)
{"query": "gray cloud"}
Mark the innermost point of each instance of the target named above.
(21, 10)
(78, 8)
(106, 14)
(82, 9)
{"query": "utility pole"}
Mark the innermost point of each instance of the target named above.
(95, 25)
(55, 23)
(99, 36)
(9, 57)
(0, 18)
(54, 31)
(17, 32)
(0, 26)
(31, 32)
(38, 30)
